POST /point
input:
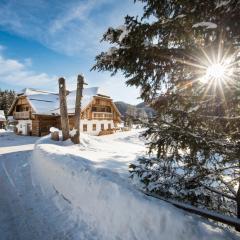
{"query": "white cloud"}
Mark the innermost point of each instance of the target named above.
(18, 74)
(79, 12)
(72, 27)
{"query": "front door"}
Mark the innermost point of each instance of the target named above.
(29, 132)
(24, 129)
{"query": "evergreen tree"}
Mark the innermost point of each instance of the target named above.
(142, 115)
(130, 115)
(184, 55)
(6, 99)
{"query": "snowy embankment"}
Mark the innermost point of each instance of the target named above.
(97, 195)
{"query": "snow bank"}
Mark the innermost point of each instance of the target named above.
(53, 129)
(108, 205)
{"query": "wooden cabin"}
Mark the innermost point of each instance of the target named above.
(37, 111)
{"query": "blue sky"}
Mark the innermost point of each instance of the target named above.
(41, 40)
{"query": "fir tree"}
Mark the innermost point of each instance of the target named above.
(168, 53)
(131, 115)
(6, 99)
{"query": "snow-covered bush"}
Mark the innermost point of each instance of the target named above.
(177, 182)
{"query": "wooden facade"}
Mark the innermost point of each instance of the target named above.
(41, 124)
(2, 124)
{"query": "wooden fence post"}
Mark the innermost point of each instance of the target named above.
(63, 109)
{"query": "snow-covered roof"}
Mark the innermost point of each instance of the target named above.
(11, 119)
(47, 103)
(2, 116)
(88, 94)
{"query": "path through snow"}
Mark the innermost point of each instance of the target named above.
(25, 213)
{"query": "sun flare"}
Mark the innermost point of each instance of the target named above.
(220, 72)
(216, 71)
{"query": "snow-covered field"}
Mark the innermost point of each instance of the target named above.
(90, 184)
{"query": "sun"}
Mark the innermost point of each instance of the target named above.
(220, 72)
(213, 69)
(216, 71)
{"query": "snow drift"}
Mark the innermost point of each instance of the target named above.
(109, 206)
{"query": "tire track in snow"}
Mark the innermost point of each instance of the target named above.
(8, 175)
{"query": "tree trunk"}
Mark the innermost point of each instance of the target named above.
(238, 201)
(80, 82)
(63, 109)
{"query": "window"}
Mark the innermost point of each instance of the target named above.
(84, 127)
(94, 127)
(102, 126)
(108, 109)
(109, 126)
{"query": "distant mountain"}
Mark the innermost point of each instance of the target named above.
(141, 105)
(140, 110)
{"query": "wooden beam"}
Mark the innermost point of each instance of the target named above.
(231, 221)
(63, 109)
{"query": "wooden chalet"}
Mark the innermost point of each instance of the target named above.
(37, 111)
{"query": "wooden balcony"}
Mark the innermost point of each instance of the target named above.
(21, 115)
(102, 115)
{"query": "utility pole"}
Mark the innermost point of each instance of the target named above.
(63, 109)
(77, 118)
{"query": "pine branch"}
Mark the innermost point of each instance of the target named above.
(231, 189)
(220, 193)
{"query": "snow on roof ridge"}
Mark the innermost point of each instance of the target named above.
(32, 91)
(39, 91)
(93, 91)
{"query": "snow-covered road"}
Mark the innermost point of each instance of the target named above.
(24, 211)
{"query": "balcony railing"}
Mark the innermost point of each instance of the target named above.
(102, 115)
(21, 115)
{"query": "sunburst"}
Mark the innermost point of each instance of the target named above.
(214, 71)
(220, 71)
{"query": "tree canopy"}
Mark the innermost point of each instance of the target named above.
(185, 57)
